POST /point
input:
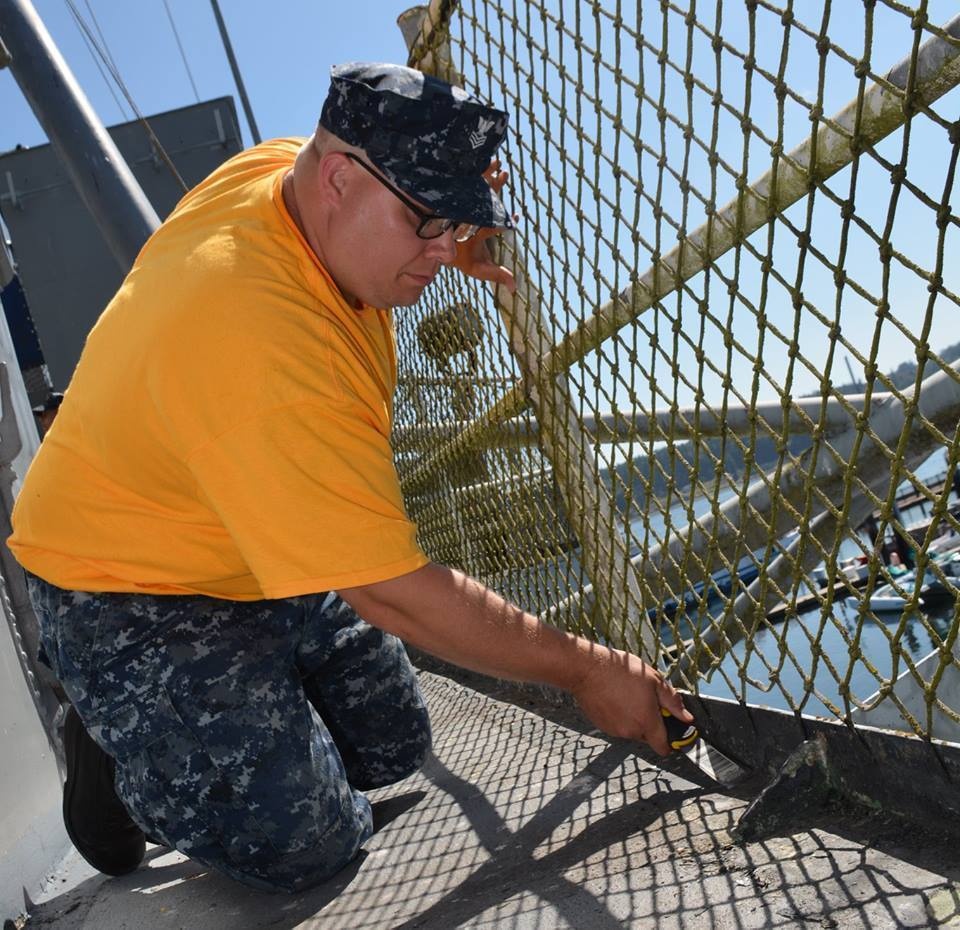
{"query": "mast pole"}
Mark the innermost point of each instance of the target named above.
(235, 68)
(91, 159)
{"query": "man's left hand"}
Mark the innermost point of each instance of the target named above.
(473, 256)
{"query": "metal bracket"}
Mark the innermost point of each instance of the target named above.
(221, 135)
(11, 194)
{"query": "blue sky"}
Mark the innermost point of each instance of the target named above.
(285, 49)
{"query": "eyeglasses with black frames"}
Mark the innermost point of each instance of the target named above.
(430, 226)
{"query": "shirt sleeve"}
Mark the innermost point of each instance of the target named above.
(311, 498)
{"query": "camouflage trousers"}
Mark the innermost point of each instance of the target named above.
(243, 732)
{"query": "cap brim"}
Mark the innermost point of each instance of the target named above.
(464, 199)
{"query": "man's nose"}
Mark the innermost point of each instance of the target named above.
(443, 248)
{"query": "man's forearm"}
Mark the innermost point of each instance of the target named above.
(455, 618)
(444, 612)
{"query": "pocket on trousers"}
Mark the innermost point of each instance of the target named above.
(133, 720)
(168, 779)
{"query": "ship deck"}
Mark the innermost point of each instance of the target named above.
(521, 820)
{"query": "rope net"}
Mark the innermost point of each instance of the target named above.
(719, 422)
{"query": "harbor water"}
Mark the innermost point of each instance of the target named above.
(816, 644)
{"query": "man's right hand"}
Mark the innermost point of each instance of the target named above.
(623, 695)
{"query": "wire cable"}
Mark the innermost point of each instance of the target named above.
(103, 38)
(124, 115)
(115, 74)
(183, 54)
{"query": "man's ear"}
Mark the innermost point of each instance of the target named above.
(333, 178)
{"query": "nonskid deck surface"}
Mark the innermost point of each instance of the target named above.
(519, 822)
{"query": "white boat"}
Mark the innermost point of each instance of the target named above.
(890, 598)
(854, 570)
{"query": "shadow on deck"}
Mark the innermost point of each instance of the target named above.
(520, 822)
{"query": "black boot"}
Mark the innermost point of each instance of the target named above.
(96, 820)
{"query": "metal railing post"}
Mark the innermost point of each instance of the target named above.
(91, 159)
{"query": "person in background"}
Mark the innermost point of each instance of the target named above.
(46, 413)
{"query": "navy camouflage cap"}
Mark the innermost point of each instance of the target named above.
(430, 139)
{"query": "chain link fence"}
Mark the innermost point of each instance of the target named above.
(718, 421)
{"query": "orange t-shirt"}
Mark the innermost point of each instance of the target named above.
(226, 431)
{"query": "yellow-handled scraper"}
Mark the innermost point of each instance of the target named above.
(685, 738)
